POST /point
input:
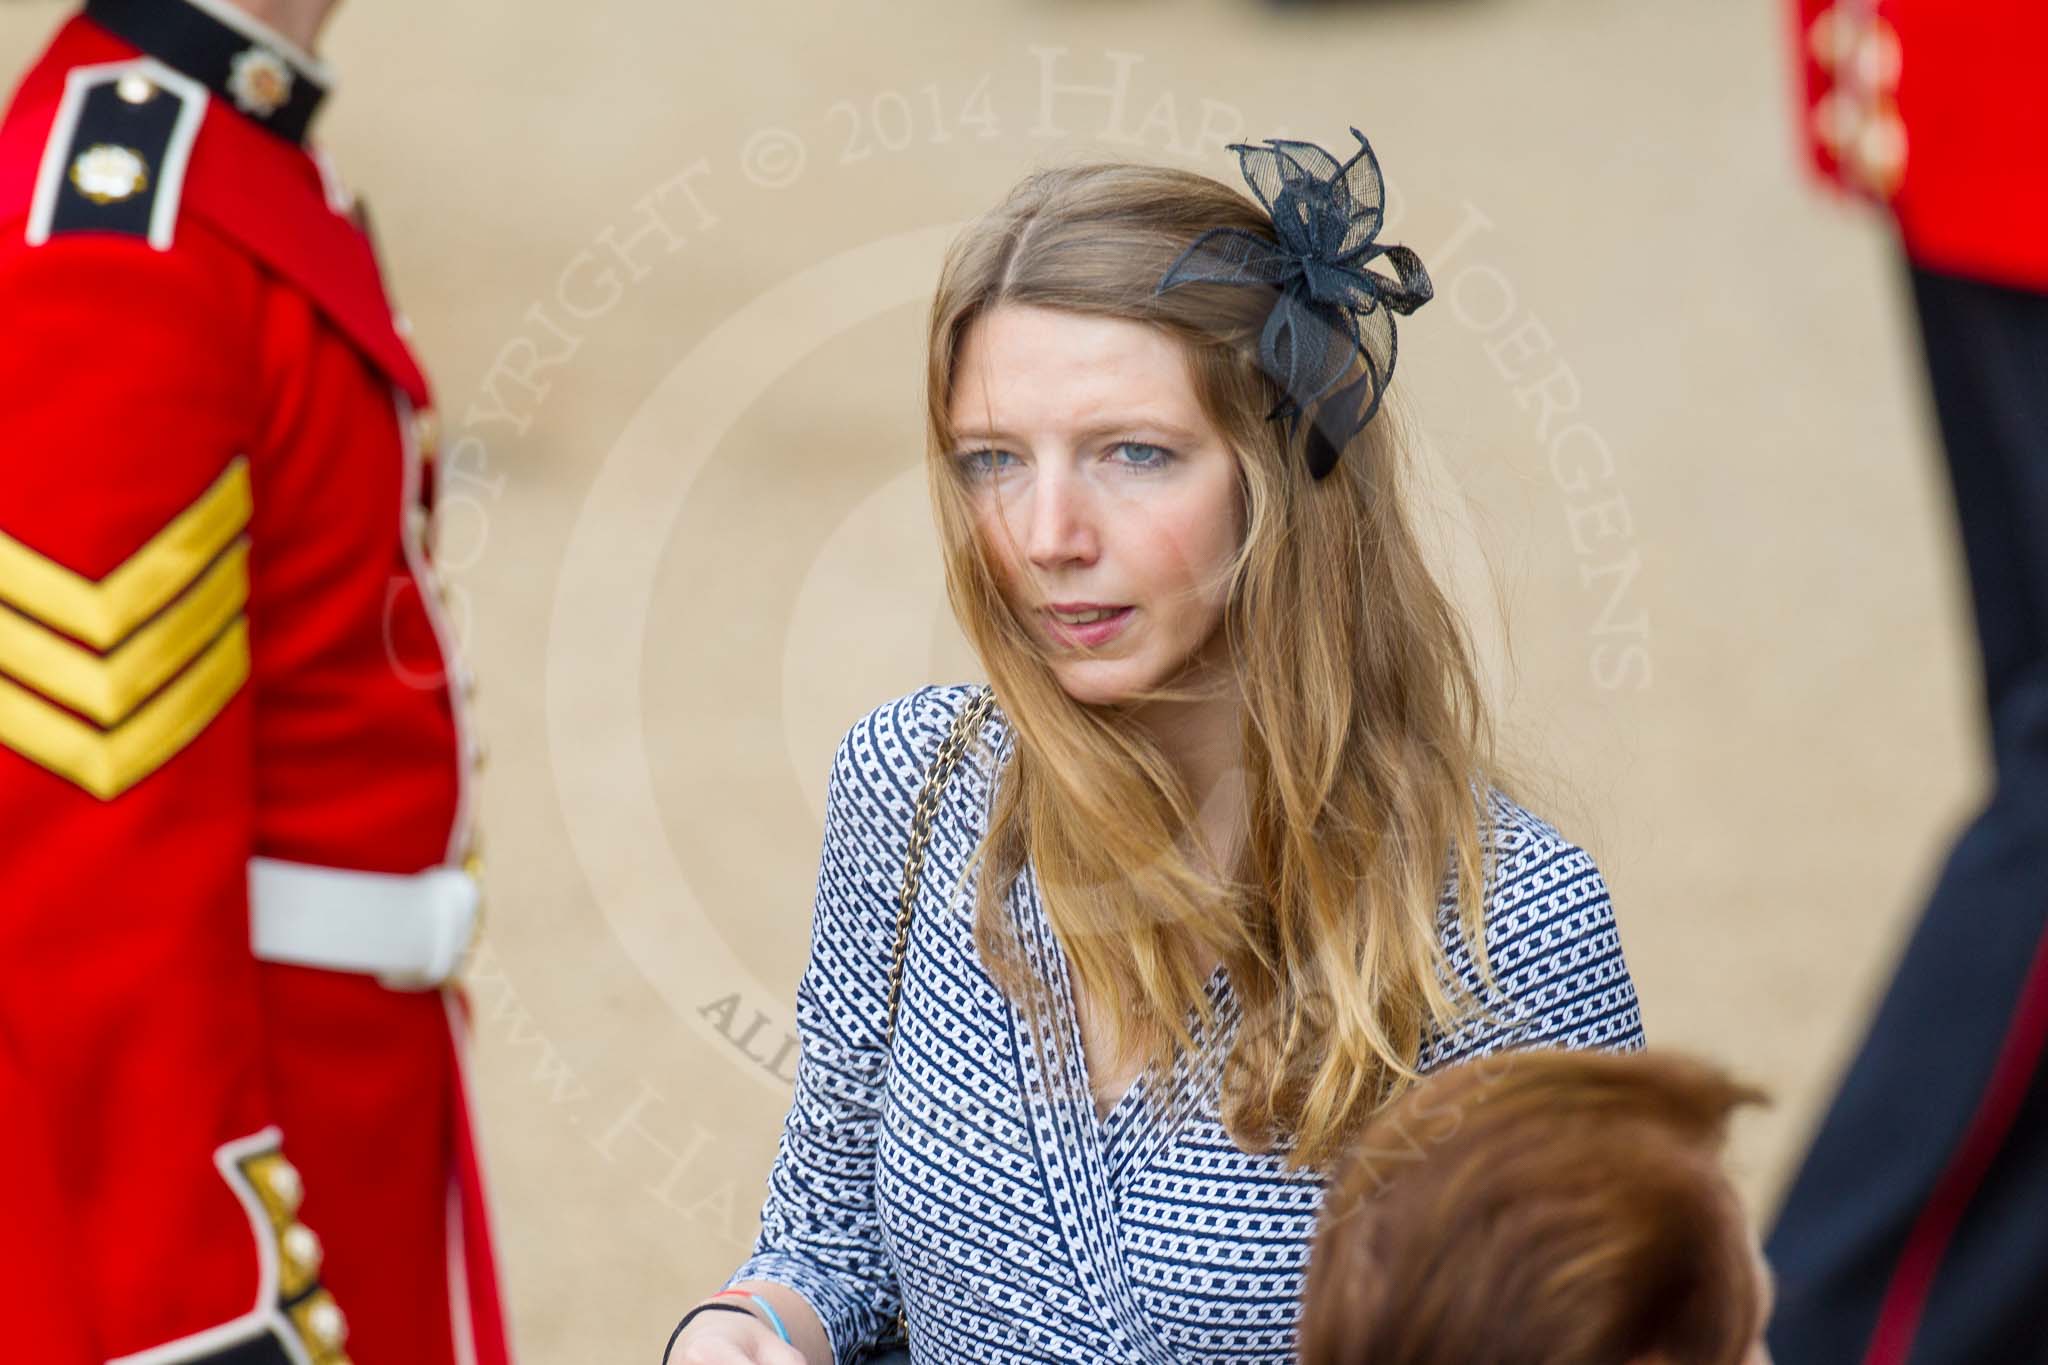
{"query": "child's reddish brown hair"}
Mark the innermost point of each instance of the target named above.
(1539, 1208)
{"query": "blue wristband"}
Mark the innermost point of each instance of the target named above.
(767, 1310)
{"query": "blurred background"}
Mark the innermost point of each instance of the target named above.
(668, 265)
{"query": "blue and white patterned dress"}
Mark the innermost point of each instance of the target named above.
(1018, 1225)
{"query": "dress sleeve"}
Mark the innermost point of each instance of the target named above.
(820, 1235)
(1559, 977)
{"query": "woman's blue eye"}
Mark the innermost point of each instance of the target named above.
(1145, 456)
(984, 461)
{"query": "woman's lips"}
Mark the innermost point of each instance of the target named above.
(1093, 633)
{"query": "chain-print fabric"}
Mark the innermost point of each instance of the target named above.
(984, 1198)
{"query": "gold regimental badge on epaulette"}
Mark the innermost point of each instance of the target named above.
(115, 160)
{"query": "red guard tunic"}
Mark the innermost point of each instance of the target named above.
(1934, 107)
(234, 763)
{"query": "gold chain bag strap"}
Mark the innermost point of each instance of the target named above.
(965, 726)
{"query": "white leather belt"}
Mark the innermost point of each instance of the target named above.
(409, 931)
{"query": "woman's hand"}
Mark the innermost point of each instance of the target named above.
(731, 1339)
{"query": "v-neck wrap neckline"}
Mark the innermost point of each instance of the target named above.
(944, 1170)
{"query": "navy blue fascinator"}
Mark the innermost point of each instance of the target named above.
(1331, 311)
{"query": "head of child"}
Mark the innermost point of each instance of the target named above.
(1541, 1208)
(1161, 592)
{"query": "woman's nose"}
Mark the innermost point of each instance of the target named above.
(1062, 522)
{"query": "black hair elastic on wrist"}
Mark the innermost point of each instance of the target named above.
(713, 1307)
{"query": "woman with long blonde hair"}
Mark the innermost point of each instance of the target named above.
(1111, 957)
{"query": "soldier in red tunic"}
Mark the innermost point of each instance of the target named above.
(236, 860)
(1915, 1234)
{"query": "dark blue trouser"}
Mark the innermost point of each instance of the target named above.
(1916, 1232)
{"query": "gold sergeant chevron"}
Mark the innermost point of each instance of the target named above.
(171, 613)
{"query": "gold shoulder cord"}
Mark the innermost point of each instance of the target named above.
(965, 725)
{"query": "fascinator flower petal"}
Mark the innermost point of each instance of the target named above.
(1329, 343)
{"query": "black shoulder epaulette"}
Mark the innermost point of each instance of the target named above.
(116, 158)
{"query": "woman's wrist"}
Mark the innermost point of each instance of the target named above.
(712, 1305)
(731, 1301)
(747, 1301)
(798, 1316)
